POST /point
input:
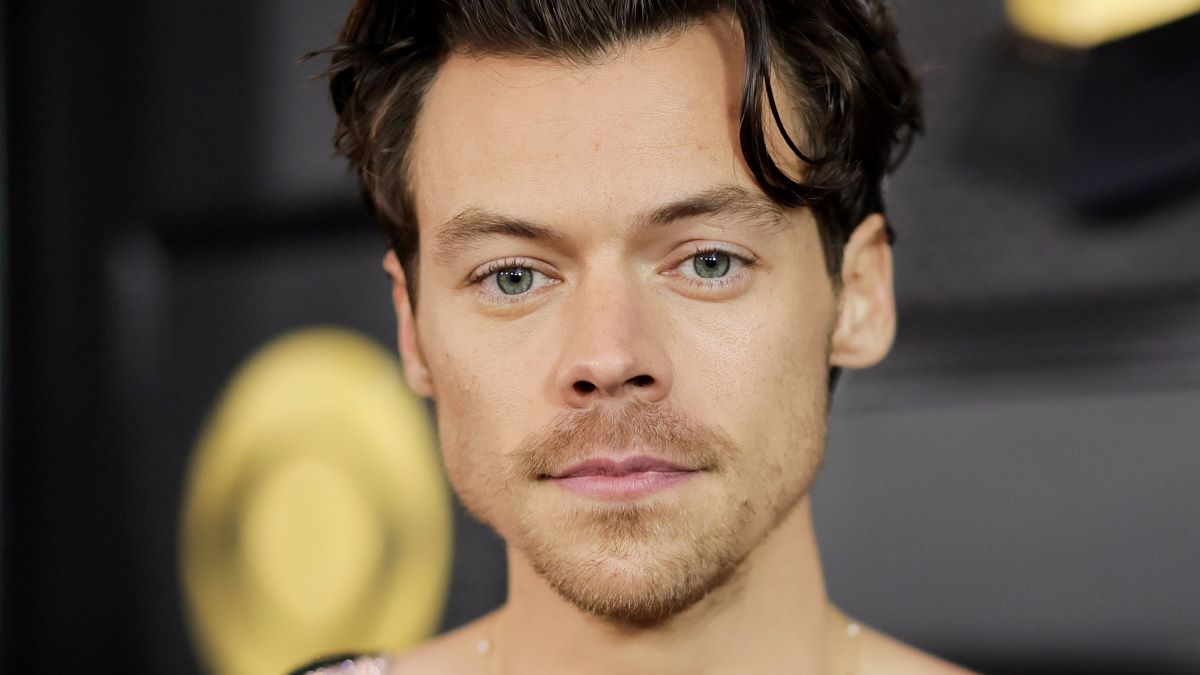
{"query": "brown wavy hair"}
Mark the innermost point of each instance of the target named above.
(841, 60)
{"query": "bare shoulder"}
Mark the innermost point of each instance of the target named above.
(455, 653)
(884, 655)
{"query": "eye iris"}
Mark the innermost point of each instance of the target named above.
(515, 280)
(711, 265)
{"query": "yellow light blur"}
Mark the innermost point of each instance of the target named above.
(1087, 23)
(316, 519)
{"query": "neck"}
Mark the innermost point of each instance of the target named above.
(772, 615)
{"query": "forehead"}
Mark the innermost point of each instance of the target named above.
(564, 142)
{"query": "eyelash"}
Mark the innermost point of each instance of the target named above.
(747, 262)
(476, 280)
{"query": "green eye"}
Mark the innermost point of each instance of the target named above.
(711, 265)
(515, 280)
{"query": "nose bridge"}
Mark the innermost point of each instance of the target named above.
(611, 347)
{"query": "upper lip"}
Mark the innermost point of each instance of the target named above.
(613, 466)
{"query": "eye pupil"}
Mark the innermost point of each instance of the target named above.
(515, 280)
(711, 265)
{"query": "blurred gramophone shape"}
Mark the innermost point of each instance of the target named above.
(1098, 99)
(1082, 24)
(317, 520)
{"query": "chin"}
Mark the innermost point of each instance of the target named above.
(638, 566)
(642, 597)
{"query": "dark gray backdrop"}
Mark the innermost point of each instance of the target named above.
(1013, 488)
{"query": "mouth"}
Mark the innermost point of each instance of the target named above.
(624, 478)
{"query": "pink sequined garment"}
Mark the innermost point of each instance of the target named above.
(373, 664)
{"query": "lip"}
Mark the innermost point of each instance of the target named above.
(618, 466)
(625, 477)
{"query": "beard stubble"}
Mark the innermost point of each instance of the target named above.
(642, 562)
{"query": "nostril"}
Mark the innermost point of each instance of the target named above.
(641, 381)
(584, 387)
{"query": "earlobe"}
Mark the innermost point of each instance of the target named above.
(866, 323)
(411, 355)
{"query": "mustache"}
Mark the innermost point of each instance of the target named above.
(657, 429)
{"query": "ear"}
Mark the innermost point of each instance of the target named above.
(415, 369)
(866, 324)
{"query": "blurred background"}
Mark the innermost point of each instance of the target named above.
(1015, 488)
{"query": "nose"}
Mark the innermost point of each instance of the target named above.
(613, 349)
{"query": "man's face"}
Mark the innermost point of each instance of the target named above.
(601, 279)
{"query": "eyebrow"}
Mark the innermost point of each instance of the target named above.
(733, 202)
(727, 201)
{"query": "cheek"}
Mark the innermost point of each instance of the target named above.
(766, 383)
(794, 403)
(464, 369)
(761, 362)
(480, 399)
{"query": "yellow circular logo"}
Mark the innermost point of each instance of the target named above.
(317, 518)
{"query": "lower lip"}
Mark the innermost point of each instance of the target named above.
(630, 485)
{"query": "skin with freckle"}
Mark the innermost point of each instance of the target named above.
(739, 371)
